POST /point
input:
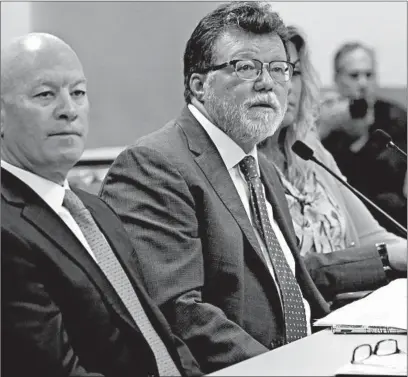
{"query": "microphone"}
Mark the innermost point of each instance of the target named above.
(305, 152)
(384, 140)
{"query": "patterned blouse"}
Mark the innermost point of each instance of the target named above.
(318, 221)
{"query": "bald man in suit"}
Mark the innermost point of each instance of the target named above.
(72, 299)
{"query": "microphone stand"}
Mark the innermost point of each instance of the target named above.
(385, 139)
(398, 149)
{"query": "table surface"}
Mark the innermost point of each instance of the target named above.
(320, 354)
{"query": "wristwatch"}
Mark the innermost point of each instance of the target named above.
(382, 251)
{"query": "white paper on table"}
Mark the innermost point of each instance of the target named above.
(387, 307)
(391, 365)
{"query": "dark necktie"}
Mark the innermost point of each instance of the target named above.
(293, 306)
(113, 270)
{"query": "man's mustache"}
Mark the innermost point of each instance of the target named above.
(264, 100)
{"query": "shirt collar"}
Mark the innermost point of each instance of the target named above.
(231, 153)
(52, 193)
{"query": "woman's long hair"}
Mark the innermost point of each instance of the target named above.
(297, 168)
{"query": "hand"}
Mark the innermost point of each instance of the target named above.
(397, 255)
(335, 115)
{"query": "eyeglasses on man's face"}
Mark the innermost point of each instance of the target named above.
(250, 69)
(384, 347)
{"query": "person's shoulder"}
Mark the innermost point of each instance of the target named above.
(150, 158)
(389, 103)
(89, 198)
(97, 204)
(395, 109)
(158, 137)
(312, 139)
(168, 140)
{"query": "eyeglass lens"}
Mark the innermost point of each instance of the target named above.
(362, 352)
(386, 347)
(251, 69)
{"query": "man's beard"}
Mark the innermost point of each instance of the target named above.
(237, 122)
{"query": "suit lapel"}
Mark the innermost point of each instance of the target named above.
(53, 227)
(36, 212)
(212, 165)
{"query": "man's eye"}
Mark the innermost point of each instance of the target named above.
(78, 93)
(297, 73)
(278, 69)
(44, 95)
(246, 66)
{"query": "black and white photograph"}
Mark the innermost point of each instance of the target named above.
(203, 188)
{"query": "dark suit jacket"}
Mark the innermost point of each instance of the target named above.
(60, 315)
(201, 260)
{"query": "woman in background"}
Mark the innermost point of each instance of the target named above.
(328, 219)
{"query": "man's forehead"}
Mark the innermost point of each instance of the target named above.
(58, 76)
(32, 69)
(235, 40)
(51, 78)
(358, 59)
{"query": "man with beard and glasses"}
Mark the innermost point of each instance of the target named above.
(206, 214)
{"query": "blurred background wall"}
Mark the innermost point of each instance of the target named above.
(132, 51)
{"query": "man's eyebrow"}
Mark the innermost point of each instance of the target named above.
(80, 81)
(42, 81)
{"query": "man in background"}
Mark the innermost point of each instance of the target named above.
(347, 121)
(72, 300)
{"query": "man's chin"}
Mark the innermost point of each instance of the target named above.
(264, 120)
(261, 134)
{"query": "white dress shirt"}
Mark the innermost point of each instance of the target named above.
(231, 153)
(52, 194)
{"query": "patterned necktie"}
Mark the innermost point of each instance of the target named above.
(113, 270)
(292, 302)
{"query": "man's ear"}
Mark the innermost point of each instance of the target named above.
(335, 77)
(197, 85)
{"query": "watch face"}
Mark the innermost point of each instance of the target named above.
(382, 251)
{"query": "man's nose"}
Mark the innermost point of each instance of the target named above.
(265, 82)
(362, 81)
(66, 108)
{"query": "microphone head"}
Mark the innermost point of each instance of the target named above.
(381, 138)
(302, 150)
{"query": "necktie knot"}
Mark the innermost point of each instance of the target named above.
(72, 202)
(249, 168)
